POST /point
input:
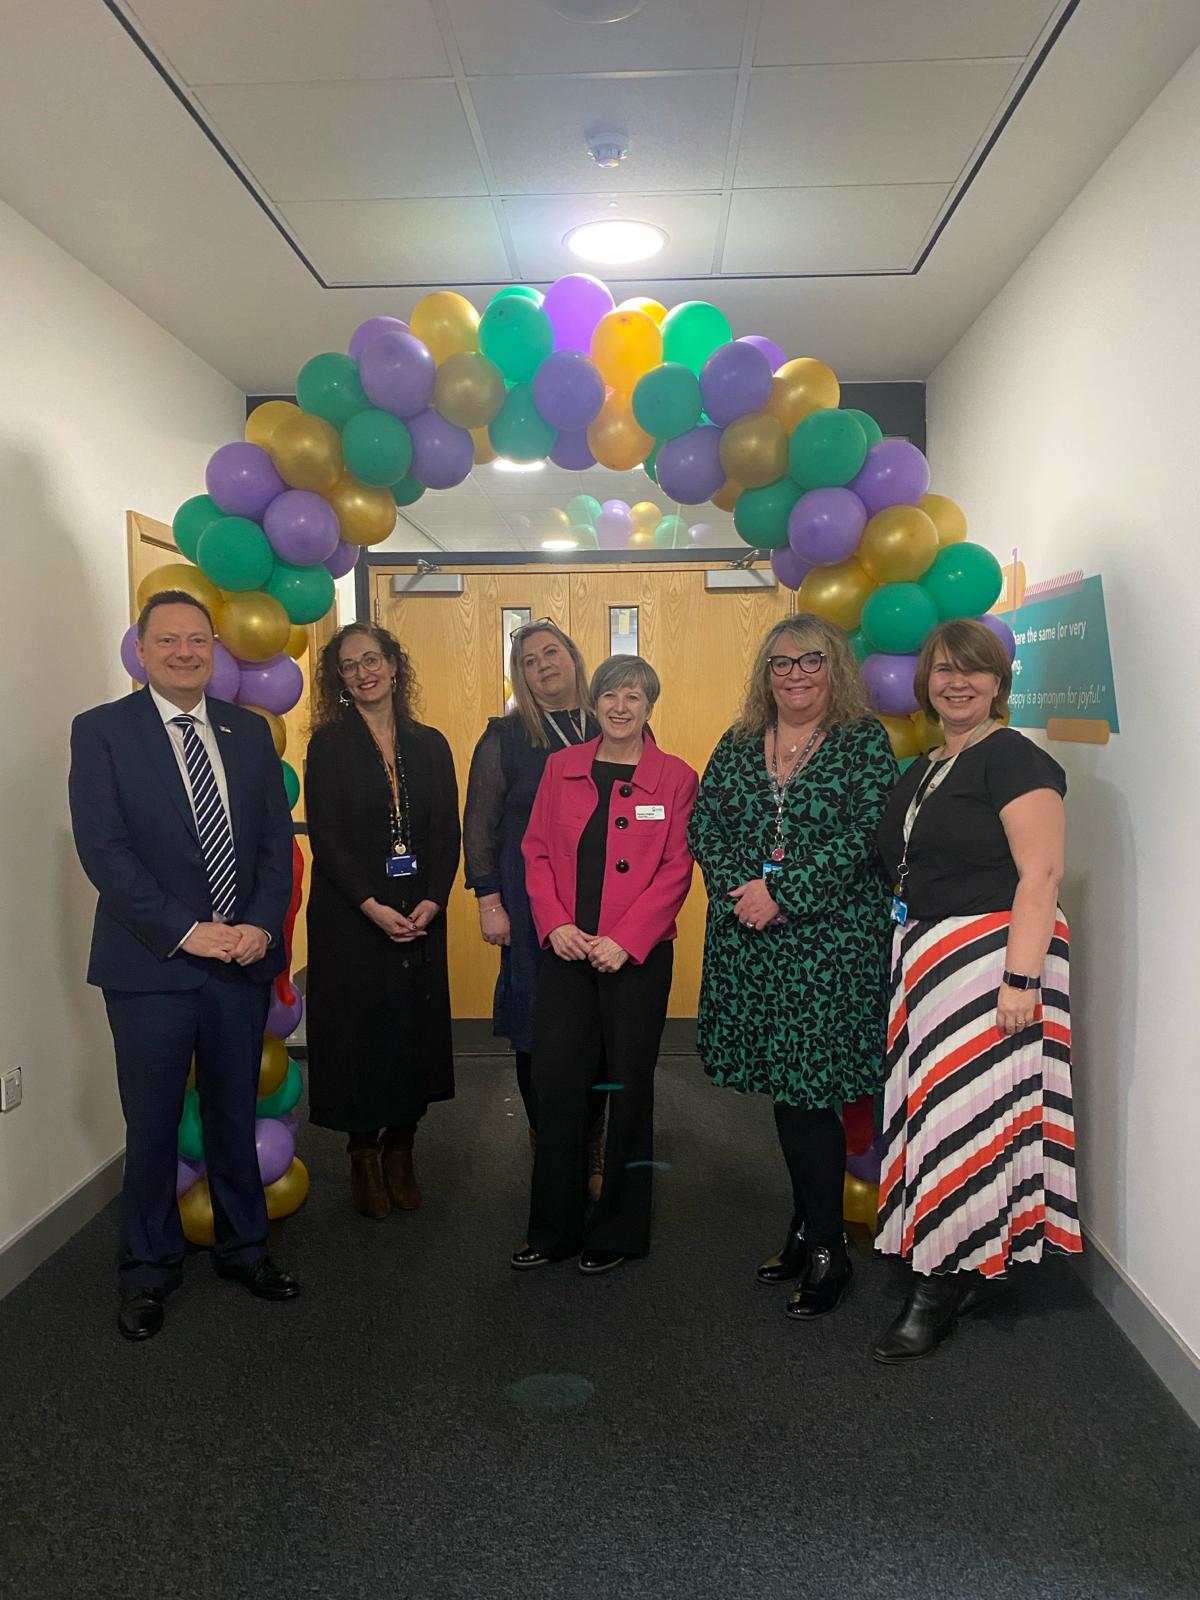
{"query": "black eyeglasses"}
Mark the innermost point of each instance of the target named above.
(811, 661)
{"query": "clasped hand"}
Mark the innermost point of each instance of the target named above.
(399, 928)
(753, 905)
(570, 943)
(227, 941)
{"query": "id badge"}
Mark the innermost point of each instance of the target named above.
(770, 868)
(401, 866)
(899, 910)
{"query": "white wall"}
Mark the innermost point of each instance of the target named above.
(1067, 423)
(100, 411)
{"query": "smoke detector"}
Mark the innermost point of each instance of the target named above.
(608, 148)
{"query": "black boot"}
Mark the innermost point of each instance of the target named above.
(827, 1275)
(791, 1260)
(927, 1318)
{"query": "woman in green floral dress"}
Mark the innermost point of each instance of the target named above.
(792, 1002)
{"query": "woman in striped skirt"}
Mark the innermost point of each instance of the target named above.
(979, 1162)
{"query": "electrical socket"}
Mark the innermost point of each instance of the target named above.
(10, 1090)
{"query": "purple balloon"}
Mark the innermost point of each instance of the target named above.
(825, 525)
(241, 478)
(791, 569)
(735, 380)
(895, 473)
(276, 1145)
(889, 683)
(575, 305)
(397, 374)
(283, 1019)
(689, 468)
(699, 531)
(129, 655)
(572, 451)
(371, 329)
(619, 506)
(343, 558)
(867, 1165)
(568, 390)
(1003, 632)
(275, 685)
(443, 454)
(613, 527)
(291, 1119)
(226, 677)
(774, 353)
(186, 1174)
(302, 527)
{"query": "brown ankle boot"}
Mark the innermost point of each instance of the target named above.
(367, 1193)
(400, 1176)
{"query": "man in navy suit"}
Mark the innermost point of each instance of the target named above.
(182, 824)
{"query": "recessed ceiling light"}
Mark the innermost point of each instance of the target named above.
(614, 244)
(502, 464)
(560, 544)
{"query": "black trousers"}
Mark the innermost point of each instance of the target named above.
(588, 1021)
(597, 1100)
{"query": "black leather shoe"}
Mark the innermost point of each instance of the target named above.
(826, 1279)
(526, 1258)
(791, 1260)
(593, 1262)
(926, 1319)
(262, 1278)
(141, 1313)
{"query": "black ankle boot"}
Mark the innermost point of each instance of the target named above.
(827, 1275)
(927, 1318)
(791, 1260)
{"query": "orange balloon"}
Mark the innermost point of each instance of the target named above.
(837, 593)
(180, 575)
(903, 734)
(196, 1214)
(307, 452)
(446, 323)
(485, 450)
(287, 1194)
(754, 450)
(297, 641)
(276, 725)
(727, 495)
(615, 439)
(366, 514)
(898, 544)
(652, 309)
(253, 625)
(625, 345)
(273, 1065)
(800, 387)
(264, 419)
(949, 519)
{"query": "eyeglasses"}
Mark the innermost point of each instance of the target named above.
(526, 628)
(371, 661)
(811, 661)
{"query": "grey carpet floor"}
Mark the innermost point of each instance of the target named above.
(425, 1424)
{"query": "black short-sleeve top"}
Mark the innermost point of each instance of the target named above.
(959, 862)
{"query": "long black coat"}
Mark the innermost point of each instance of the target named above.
(378, 1013)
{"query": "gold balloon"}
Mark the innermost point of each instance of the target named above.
(625, 345)
(196, 1214)
(366, 514)
(297, 641)
(180, 575)
(650, 308)
(860, 1201)
(929, 733)
(446, 323)
(553, 522)
(273, 1065)
(800, 387)
(615, 439)
(754, 450)
(645, 514)
(903, 734)
(253, 625)
(485, 450)
(287, 1194)
(640, 539)
(837, 593)
(949, 519)
(468, 389)
(264, 419)
(307, 452)
(726, 496)
(276, 725)
(898, 544)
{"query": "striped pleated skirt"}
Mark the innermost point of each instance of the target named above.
(979, 1134)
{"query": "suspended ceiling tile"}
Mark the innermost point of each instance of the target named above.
(348, 141)
(522, 36)
(282, 41)
(881, 30)
(537, 131)
(867, 228)
(538, 227)
(912, 122)
(399, 241)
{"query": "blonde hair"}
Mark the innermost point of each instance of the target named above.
(847, 699)
(527, 707)
(971, 647)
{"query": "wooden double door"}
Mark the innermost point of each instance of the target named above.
(700, 641)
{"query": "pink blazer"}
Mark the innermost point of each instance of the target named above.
(648, 870)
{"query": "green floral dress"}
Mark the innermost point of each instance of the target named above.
(799, 1011)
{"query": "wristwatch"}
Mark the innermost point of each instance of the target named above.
(1021, 980)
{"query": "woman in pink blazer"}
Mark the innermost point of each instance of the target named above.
(607, 867)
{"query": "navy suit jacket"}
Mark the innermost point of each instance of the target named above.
(137, 840)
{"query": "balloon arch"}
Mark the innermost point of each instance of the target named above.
(568, 376)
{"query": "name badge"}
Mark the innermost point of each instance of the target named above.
(401, 866)
(899, 910)
(650, 813)
(770, 868)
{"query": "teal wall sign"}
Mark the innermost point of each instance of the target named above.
(1063, 666)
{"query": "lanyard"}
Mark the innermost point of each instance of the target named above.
(938, 772)
(397, 794)
(576, 727)
(779, 790)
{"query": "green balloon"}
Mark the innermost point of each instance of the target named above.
(408, 491)
(285, 1097)
(519, 431)
(190, 521)
(517, 336)
(827, 449)
(666, 401)
(291, 784)
(583, 509)
(305, 593)
(965, 580)
(329, 387)
(761, 515)
(897, 617)
(585, 536)
(692, 331)
(191, 1134)
(524, 291)
(671, 533)
(907, 762)
(235, 554)
(651, 464)
(377, 447)
(866, 422)
(859, 643)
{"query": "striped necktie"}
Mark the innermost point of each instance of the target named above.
(216, 838)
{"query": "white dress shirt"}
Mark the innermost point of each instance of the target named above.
(203, 726)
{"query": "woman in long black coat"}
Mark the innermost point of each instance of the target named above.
(382, 808)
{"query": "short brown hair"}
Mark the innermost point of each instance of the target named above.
(171, 597)
(971, 647)
(847, 700)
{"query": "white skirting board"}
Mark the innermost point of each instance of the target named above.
(52, 1230)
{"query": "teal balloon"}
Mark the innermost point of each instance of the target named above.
(305, 593)
(285, 1097)
(523, 291)
(517, 336)
(519, 431)
(897, 618)
(692, 331)
(377, 447)
(827, 449)
(235, 553)
(761, 515)
(651, 464)
(671, 533)
(907, 762)
(190, 521)
(666, 401)
(291, 784)
(859, 643)
(583, 509)
(866, 422)
(191, 1134)
(408, 491)
(965, 580)
(329, 387)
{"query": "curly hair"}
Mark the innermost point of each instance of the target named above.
(327, 703)
(847, 699)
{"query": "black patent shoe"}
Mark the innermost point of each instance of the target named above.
(791, 1260)
(826, 1278)
(927, 1317)
(593, 1262)
(526, 1258)
(141, 1313)
(262, 1278)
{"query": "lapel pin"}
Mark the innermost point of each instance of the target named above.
(223, 728)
